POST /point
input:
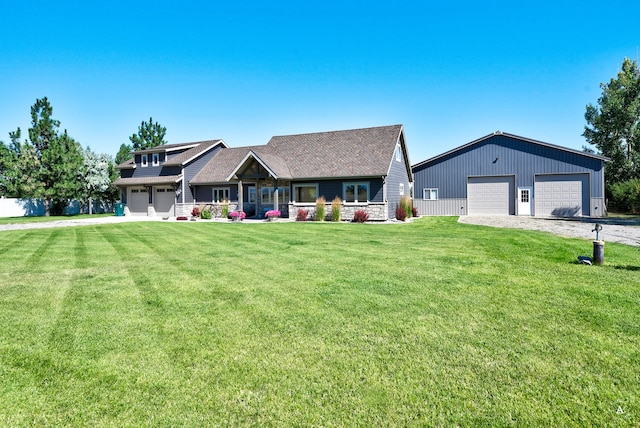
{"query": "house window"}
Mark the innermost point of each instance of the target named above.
(305, 192)
(253, 195)
(143, 161)
(355, 192)
(429, 194)
(155, 159)
(401, 190)
(524, 195)
(220, 194)
(398, 153)
(267, 195)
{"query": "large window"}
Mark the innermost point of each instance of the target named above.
(220, 194)
(429, 194)
(144, 161)
(355, 192)
(305, 192)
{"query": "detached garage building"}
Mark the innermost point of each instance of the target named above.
(504, 174)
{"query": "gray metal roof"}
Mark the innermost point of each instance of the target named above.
(517, 137)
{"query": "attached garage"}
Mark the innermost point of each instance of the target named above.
(562, 195)
(164, 201)
(137, 200)
(493, 195)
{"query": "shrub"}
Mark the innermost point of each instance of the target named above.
(195, 212)
(320, 206)
(360, 216)
(336, 206)
(414, 212)
(237, 215)
(406, 204)
(302, 215)
(272, 214)
(626, 195)
(225, 210)
(401, 214)
(205, 214)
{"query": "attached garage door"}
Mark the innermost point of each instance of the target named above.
(490, 195)
(164, 201)
(137, 201)
(561, 195)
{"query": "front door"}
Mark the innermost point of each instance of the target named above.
(524, 200)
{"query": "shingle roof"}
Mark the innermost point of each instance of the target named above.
(188, 155)
(140, 181)
(128, 164)
(221, 165)
(167, 147)
(363, 152)
(355, 152)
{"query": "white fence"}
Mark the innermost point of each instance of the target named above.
(13, 207)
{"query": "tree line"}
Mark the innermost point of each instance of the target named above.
(613, 128)
(50, 165)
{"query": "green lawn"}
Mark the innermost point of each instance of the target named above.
(431, 323)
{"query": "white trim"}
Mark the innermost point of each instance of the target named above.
(144, 161)
(401, 189)
(224, 190)
(257, 159)
(155, 159)
(356, 184)
(429, 191)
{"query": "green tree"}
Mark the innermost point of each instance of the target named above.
(62, 174)
(124, 153)
(149, 135)
(613, 126)
(96, 178)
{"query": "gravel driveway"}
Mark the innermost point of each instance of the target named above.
(622, 230)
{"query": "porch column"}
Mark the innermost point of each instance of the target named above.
(276, 206)
(240, 196)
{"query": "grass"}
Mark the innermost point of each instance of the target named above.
(38, 219)
(432, 323)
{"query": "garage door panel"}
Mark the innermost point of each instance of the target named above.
(490, 195)
(137, 201)
(164, 202)
(561, 195)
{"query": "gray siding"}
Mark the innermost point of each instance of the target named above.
(192, 168)
(204, 194)
(397, 175)
(500, 155)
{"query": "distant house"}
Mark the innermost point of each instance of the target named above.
(368, 169)
(154, 181)
(504, 174)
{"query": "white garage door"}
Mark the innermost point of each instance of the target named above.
(561, 195)
(137, 201)
(164, 202)
(490, 195)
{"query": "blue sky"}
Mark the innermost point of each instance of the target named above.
(243, 71)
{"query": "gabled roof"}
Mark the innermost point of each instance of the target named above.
(167, 148)
(515, 137)
(194, 152)
(141, 181)
(363, 152)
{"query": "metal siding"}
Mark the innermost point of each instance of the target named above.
(441, 206)
(502, 155)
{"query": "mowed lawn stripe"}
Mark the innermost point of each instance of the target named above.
(428, 323)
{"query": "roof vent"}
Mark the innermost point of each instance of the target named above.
(498, 132)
